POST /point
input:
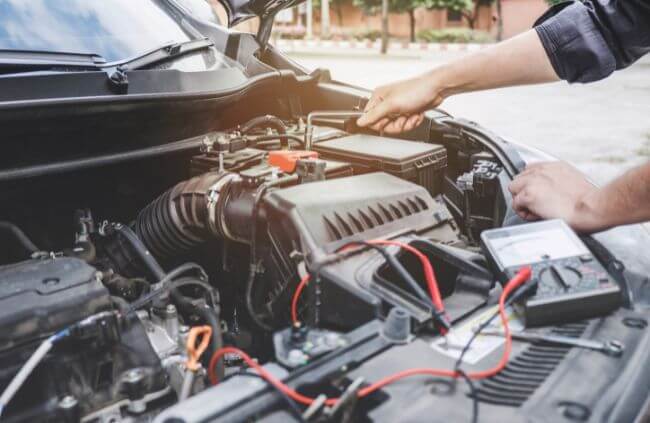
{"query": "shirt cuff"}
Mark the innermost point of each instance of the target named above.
(574, 44)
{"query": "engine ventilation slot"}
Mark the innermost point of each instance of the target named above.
(376, 215)
(387, 214)
(407, 211)
(396, 211)
(345, 226)
(358, 221)
(416, 204)
(423, 204)
(332, 228)
(368, 221)
(529, 370)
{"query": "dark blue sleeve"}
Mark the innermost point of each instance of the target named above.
(586, 41)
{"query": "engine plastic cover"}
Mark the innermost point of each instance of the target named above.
(38, 297)
(325, 215)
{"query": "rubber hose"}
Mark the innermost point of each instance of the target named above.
(270, 140)
(121, 304)
(250, 281)
(177, 221)
(141, 250)
(268, 121)
(20, 236)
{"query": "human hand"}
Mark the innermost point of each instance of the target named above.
(556, 190)
(399, 107)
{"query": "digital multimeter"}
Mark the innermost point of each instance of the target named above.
(572, 284)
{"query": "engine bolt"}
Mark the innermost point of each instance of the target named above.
(297, 357)
(134, 375)
(69, 407)
(68, 402)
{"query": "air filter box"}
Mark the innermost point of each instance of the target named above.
(418, 162)
(323, 216)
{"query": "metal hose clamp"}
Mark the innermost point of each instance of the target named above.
(215, 197)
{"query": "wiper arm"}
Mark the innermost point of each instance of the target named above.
(166, 52)
(41, 60)
(25, 61)
(116, 72)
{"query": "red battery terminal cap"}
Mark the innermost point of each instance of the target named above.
(286, 159)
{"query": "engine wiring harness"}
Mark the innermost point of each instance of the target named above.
(429, 274)
(512, 290)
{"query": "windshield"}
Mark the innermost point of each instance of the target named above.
(113, 29)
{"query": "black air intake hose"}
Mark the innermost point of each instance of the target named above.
(207, 206)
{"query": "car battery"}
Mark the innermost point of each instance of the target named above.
(418, 162)
(253, 158)
(232, 162)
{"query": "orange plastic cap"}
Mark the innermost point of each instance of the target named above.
(286, 159)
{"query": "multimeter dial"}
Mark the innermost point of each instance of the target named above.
(563, 277)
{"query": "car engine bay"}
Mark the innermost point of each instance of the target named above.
(286, 239)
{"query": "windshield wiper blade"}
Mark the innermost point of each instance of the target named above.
(166, 52)
(28, 60)
(117, 72)
(14, 61)
(35, 60)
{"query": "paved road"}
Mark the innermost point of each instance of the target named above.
(603, 128)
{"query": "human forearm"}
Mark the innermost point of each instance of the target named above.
(625, 200)
(517, 61)
(398, 107)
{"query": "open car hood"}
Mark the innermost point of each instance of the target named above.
(241, 10)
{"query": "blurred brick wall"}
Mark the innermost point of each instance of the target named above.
(518, 16)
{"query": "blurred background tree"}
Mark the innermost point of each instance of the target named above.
(373, 7)
(336, 5)
(469, 9)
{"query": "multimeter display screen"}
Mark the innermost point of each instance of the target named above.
(532, 243)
